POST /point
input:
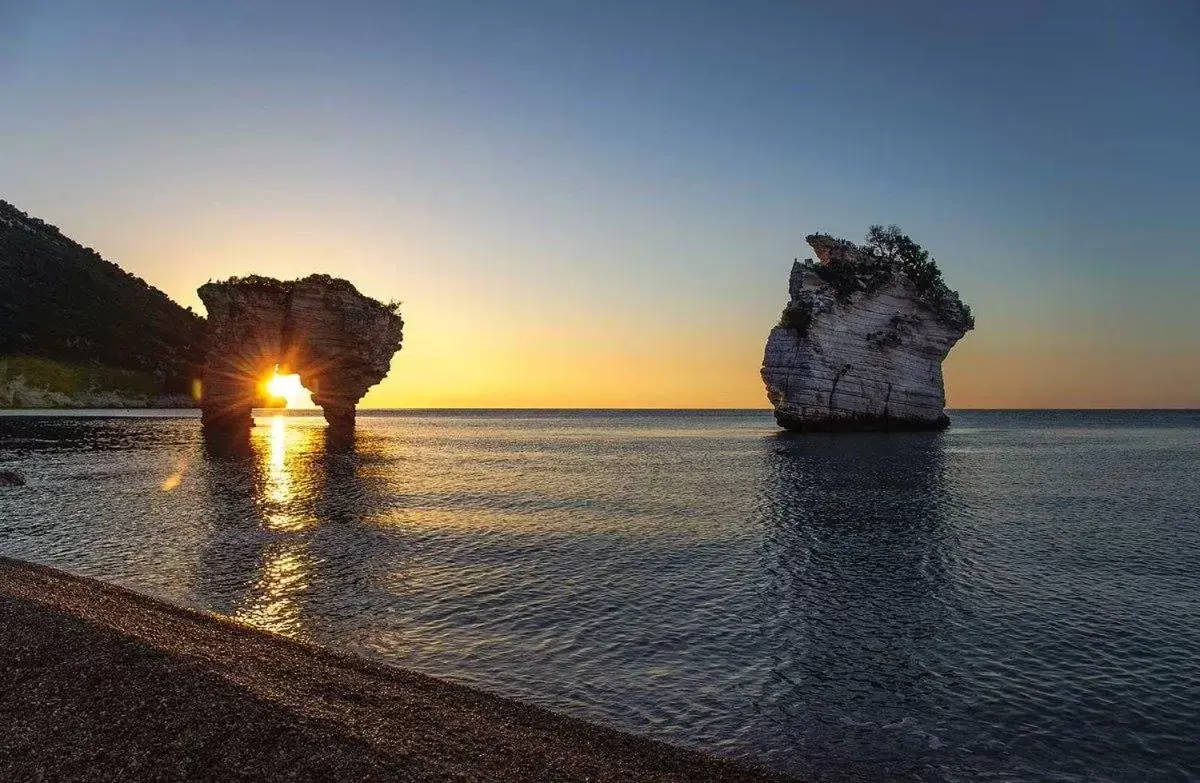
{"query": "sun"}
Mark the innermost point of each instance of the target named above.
(289, 388)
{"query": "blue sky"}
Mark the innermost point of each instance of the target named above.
(597, 203)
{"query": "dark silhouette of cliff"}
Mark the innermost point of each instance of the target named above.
(62, 301)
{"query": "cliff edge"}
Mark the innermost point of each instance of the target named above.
(861, 342)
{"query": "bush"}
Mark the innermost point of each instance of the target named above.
(842, 276)
(884, 252)
(797, 315)
(888, 246)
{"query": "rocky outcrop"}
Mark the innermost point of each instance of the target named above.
(861, 342)
(339, 341)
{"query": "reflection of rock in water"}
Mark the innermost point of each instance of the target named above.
(227, 444)
(234, 480)
(338, 440)
(339, 492)
(273, 495)
(855, 554)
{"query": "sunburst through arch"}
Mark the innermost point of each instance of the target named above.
(290, 389)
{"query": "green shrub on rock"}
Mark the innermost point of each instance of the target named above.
(842, 276)
(885, 252)
(797, 315)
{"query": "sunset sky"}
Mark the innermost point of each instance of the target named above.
(597, 204)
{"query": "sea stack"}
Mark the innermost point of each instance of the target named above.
(861, 342)
(337, 340)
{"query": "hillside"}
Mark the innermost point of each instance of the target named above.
(77, 329)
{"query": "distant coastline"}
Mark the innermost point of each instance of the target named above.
(101, 401)
(29, 382)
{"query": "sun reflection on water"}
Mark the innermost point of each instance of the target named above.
(280, 491)
(278, 442)
(272, 601)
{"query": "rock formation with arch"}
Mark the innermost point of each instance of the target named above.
(337, 340)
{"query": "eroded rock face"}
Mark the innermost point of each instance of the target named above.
(861, 342)
(339, 341)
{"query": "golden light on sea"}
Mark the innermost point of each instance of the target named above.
(279, 511)
(272, 603)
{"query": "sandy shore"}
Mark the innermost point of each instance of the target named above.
(101, 683)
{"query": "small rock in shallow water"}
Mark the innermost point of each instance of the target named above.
(11, 478)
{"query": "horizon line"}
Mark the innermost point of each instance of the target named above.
(766, 409)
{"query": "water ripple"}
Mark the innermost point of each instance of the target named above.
(1014, 599)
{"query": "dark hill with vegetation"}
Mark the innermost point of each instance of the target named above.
(79, 327)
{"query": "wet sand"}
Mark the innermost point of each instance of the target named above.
(99, 683)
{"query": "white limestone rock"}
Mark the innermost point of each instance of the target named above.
(868, 356)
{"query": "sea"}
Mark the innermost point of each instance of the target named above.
(1016, 598)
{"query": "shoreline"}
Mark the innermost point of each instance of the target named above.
(105, 683)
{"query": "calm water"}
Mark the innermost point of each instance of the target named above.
(1015, 599)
